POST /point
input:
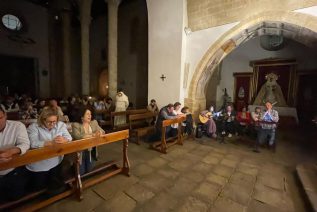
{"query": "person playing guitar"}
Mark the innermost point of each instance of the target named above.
(206, 118)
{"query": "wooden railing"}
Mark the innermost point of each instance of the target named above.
(165, 142)
(76, 146)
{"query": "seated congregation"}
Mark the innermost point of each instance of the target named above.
(52, 128)
(83, 120)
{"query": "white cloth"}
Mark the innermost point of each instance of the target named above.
(14, 135)
(122, 103)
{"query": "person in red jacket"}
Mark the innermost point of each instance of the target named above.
(244, 119)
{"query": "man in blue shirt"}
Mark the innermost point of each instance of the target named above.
(267, 127)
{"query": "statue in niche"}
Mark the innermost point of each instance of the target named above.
(241, 93)
(271, 91)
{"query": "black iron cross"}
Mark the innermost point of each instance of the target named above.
(163, 77)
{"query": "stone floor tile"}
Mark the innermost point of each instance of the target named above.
(168, 172)
(109, 188)
(194, 176)
(227, 205)
(181, 165)
(246, 180)
(139, 193)
(157, 162)
(211, 160)
(224, 171)
(192, 204)
(163, 201)
(142, 170)
(214, 178)
(200, 152)
(229, 162)
(182, 187)
(202, 167)
(248, 169)
(273, 181)
(216, 154)
(208, 192)
(91, 200)
(156, 182)
(256, 206)
(237, 193)
(192, 157)
(177, 152)
(191, 145)
(234, 157)
(273, 197)
(119, 203)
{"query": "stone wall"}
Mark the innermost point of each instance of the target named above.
(204, 14)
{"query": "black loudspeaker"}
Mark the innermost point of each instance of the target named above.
(199, 131)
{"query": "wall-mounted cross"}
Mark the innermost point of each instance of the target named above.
(163, 77)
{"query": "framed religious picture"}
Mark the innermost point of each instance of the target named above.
(242, 84)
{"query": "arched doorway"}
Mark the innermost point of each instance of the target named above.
(304, 26)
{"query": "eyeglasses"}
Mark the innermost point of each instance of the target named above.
(50, 122)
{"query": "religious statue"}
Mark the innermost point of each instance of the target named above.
(271, 91)
(241, 93)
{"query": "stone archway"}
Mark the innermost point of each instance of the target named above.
(233, 38)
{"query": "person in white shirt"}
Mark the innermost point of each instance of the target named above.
(47, 132)
(13, 141)
(122, 103)
(176, 111)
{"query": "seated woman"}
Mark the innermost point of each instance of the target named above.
(86, 128)
(210, 124)
(47, 131)
(244, 120)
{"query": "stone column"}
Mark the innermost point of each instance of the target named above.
(85, 6)
(113, 45)
(66, 21)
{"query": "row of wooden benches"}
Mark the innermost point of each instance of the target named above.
(75, 182)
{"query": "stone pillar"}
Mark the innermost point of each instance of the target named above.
(85, 6)
(66, 22)
(113, 45)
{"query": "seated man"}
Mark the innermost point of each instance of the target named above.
(165, 114)
(211, 128)
(176, 111)
(267, 127)
(189, 122)
(255, 122)
(229, 121)
(13, 141)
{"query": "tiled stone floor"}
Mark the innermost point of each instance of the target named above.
(202, 175)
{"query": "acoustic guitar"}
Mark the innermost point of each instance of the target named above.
(205, 118)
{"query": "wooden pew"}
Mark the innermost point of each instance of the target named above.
(165, 143)
(139, 119)
(77, 185)
(125, 113)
